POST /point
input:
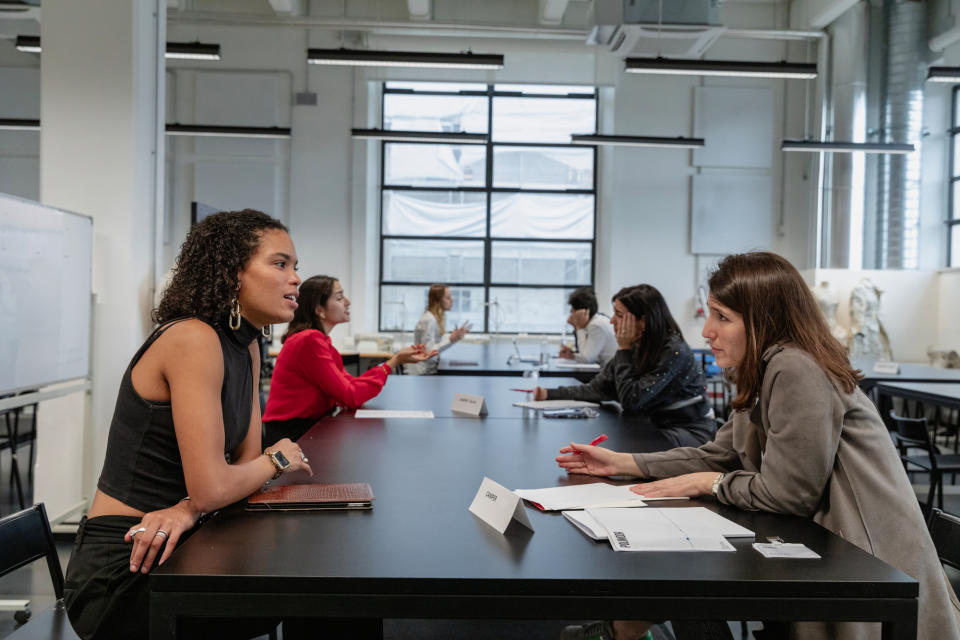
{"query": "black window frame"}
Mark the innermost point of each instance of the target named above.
(489, 190)
(954, 132)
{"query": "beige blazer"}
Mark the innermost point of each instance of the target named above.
(810, 449)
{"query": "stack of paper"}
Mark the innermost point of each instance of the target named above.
(555, 404)
(686, 529)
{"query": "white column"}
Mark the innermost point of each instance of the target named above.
(101, 121)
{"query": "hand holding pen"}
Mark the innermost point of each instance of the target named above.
(596, 461)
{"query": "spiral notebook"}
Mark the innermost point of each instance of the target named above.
(312, 497)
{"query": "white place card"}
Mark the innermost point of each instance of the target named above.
(886, 367)
(468, 404)
(498, 506)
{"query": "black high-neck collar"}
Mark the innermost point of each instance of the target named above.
(243, 336)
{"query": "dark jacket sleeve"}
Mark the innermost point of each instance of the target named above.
(637, 390)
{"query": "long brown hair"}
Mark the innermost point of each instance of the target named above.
(645, 301)
(435, 305)
(777, 308)
(314, 292)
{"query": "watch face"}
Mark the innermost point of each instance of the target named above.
(281, 459)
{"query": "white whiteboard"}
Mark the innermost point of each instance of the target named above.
(45, 282)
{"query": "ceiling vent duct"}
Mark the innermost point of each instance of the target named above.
(684, 29)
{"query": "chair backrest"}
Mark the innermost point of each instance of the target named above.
(25, 536)
(945, 532)
(912, 432)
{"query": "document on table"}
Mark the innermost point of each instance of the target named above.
(563, 363)
(687, 529)
(578, 496)
(555, 404)
(386, 413)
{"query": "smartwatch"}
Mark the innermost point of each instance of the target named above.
(279, 461)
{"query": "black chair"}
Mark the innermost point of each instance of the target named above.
(25, 536)
(912, 433)
(10, 439)
(945, 533)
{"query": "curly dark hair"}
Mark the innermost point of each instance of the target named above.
(204, 280)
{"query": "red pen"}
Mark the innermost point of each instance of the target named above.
(600, 438)
(523, 390)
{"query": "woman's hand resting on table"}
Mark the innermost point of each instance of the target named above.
(597, 461)
(689, 485)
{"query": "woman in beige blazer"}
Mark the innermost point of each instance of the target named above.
(803, 440)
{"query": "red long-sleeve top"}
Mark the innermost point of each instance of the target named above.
(309, 379)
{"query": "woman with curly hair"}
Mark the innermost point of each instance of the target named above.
(803, 440)
(308, 379)
(185, 434)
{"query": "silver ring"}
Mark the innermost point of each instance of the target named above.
(134, 532)
(161, 532)
(304, 458)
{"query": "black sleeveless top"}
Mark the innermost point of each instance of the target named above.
(143, 467)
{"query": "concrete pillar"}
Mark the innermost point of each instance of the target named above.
(101, 74)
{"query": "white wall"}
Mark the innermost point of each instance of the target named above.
(948, 304)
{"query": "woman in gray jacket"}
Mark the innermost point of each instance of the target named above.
(803, 440)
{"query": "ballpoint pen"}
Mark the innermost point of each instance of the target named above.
(600, 438)
(523, 390)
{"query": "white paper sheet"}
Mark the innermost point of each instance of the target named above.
(385, 413)
(555, 404)
(688, 529)
(563, 363)
(586, 523)
(579, 496)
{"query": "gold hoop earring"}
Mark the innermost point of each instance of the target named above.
(234, 314)
(267, 331)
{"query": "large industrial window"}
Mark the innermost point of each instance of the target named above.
(953, 208)
(508, 224)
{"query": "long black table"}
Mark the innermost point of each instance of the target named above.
(494, 359)
(419, 553)
(909, 372)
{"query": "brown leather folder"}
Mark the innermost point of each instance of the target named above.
(312, 497)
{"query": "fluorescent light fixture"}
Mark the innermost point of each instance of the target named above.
(638, 141)
(669, 66)
(28, 44)
(419, 136)
(368, 58)
(216, 131)
(814, 146)
(15, 124)
(193, 51)
(181, 50)
(943, 74)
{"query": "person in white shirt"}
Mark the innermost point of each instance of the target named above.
(595, 341)
(431, 330)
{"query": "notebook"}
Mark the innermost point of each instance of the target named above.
(312, 497)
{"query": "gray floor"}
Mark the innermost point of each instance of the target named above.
(33, 583)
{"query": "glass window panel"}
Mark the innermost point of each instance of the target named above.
(433, 261)
(541, 120)
(544, 89)
(535, 310)
(541, 262)
(406, 112)
(955, 141)
(434, 213)
(956, 109)
(541, 215)
(445, 87)
(955, 245)
(543, 167)
(955, 186)
(402, 306)
(435, 165)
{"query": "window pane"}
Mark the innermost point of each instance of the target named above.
(435, 165)
(434, 213)
(541, 262)
(402, 307)
(406, 112)
(955, 245)
(542, 168)
(955, 141)
(956, 198)
(541, 120)
(544, 89)
(433, 261)
(541, 215)
(538, 310)
(446, 87)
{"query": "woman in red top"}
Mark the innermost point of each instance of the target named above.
(309, 379)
